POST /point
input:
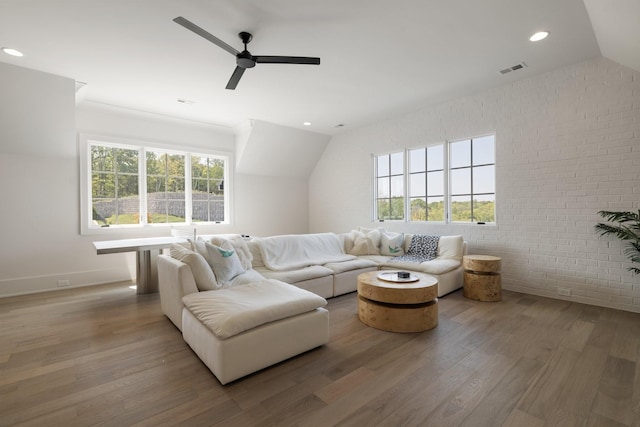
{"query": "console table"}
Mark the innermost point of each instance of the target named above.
(146, 250)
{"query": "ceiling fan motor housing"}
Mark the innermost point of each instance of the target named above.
(245, 60)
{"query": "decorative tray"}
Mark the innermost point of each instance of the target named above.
(392, 276)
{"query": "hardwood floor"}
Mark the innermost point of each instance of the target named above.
(106, 356)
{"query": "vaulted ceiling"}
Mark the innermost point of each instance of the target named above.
(379, 58)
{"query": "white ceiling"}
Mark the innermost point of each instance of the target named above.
(380, 58)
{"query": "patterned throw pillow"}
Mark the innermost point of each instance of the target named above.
(422, 248)
(391, 244)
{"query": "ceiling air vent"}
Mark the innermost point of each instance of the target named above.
(513, 68)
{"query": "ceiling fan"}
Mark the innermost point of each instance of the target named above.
(244, 59)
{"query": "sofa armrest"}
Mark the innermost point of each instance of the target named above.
(175, 280)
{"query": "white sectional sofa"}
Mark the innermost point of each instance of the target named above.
(331, 279)
(201, 303)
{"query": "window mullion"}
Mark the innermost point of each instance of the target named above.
(446, 189)
(471, 175)
(142, 186)
(188, 199)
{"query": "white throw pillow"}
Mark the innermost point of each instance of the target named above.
(202, 272)
(369, 230)
(223, 260)
(239, 245)
(366, 244)
(391, 244)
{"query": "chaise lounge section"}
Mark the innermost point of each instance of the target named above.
(224, 322)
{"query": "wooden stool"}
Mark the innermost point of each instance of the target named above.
(482, 280)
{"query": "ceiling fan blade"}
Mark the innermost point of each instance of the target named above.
(204, 33)
(235, 78)
(287, 60)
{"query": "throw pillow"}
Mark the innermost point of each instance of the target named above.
(223, 260)
(366, 244)
(202, 272)
(392, 244)
(239, 245)
(369, 230)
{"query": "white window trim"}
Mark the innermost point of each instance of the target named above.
(447, 184)
(374, 208)
(84, 154)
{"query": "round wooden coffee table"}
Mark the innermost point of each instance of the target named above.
(398, 306)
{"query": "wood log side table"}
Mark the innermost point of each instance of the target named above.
(482, 280)
(398, 307)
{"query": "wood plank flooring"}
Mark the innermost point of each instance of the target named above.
(106, 356)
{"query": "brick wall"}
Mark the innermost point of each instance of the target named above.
(567, 146)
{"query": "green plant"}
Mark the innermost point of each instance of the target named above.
(627, 230)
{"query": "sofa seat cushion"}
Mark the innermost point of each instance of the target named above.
(378, 259)
(435, 266)
(356, 264)
(298, 275)
(245, 278)
(228, 312)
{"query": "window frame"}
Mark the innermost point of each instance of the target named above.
(376, 178)
(471, 168)
(85, 141)
(447, 181)
(426, 171)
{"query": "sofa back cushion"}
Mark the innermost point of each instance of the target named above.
(254, 248)
(202, 272)
(451, 247)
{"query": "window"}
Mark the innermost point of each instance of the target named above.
(390, 186)
(456, 184)
(207, 188)
(426, 183)
(165, 187)
(134, 185)
(114, 185)
(472, 180)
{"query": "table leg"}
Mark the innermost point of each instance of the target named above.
(147, 271)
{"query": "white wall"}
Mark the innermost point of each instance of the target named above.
(263, 205)
(567, 146)
(39, 167)
(39, 192)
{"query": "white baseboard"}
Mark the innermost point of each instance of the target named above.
(34, 284)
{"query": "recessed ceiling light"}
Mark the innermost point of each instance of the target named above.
(12, 52)
(541, 35)
(307, 123)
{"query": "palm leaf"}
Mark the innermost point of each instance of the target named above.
(627, 230)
